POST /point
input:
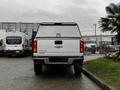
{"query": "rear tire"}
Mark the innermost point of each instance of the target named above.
(78, 70)
(38, 69)
(1, 54)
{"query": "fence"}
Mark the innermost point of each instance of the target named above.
(23, 27)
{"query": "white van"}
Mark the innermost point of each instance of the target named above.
(2, 36)
(58, 44)
(17, 43)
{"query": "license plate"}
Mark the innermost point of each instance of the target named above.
(17, 51)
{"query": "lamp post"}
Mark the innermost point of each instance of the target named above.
(95, 33)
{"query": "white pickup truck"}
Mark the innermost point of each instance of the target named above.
(58, 43)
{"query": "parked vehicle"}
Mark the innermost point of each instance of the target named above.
(2, 36)
(17, 43)
(58, 44)
(34, 34)
(91, 47)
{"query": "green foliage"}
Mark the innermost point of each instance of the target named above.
(106, 69)
(112, 21)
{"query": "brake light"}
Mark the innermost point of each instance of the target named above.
(35, 46)
(81, 46)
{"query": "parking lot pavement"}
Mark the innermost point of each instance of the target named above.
(92, 56)
(17, 74)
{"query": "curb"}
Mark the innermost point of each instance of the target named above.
(95, 79)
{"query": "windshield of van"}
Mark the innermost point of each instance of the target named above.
(13, 40)
(58, 31)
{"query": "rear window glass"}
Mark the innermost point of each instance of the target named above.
(13, 40)
(58, 31)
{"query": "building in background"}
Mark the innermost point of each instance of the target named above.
(98, 39)
(27, 28)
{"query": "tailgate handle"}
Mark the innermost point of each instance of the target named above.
(58, 42)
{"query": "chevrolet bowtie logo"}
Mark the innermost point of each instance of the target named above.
(58, 46)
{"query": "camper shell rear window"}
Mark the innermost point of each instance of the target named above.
(58, 30)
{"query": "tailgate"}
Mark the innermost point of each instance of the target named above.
(58, 47)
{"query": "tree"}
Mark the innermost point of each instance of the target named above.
(112, 21)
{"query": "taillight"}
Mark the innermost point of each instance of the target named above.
(35, 46)
(81, 46)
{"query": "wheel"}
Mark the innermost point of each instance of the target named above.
(1, 54)
(38, 69)
(78, 70)
(24, 53)
(27, 52)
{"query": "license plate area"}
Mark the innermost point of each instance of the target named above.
(58, 59)
(17, 51)
(58, 44)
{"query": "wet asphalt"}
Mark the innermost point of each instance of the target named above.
(16, 73)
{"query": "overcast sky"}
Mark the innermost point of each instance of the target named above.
(84, 12)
